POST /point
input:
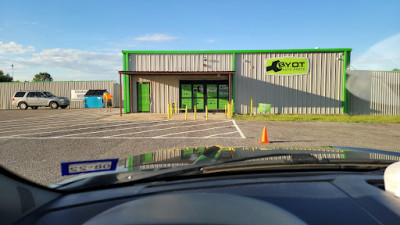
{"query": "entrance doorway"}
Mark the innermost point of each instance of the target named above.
(143, 97)
(214, 94)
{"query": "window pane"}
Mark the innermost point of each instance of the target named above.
(19, 94)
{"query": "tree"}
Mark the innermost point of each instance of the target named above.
(6, 77)
(395, 69)
(42, 76)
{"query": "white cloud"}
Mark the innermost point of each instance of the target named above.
(13, 48)
(384, 55)
(71, 64)
(156, 37)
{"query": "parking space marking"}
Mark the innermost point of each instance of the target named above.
(84, 128)
(164, 129)
(214, 135)
(69, 122)
(64, 117)
(191, 131)
(46, 125)
(237, 128)
(143, 125)
(127, 138)
(46, 116)
(101, 131)
(49, 122)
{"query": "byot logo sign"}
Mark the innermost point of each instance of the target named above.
(287, 66)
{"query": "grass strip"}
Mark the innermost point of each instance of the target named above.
(321, 118)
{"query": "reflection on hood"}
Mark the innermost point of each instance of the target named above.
(217, 154)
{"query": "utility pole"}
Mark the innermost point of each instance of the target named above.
(12, 71)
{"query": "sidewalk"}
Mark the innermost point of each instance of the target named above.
(163, 116)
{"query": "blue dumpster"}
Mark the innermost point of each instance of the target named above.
(94, 98)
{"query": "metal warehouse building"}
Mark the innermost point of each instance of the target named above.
(300, 81)
(58, 88)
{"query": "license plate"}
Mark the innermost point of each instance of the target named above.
(72, 168)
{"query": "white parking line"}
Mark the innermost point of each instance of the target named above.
(45, 116)
(184, 132)
(107, 138)
(48, 122)
(101, 131)
(220, 134)
(83, 128)
(163, 129)
(40, 127)
(237, 128)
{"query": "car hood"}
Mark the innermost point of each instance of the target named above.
(141, 164)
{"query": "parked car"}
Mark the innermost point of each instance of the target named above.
(35, 99)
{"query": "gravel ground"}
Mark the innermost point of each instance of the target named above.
(33, 143)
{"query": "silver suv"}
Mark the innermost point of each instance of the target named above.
(35, 99)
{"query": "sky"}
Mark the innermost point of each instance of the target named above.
(83, 39)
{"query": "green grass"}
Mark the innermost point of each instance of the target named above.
(321, 118)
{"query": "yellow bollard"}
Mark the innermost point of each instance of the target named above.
(169, 116)
(251, 106)
(226, 114)
(206, 113)
(227, 110)
(175, 107)
(195, 112)
(232, 109)
(186, 108)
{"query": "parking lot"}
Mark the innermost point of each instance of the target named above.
(33, 143)
(87, 125)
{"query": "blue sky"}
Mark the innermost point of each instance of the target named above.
(82, 40)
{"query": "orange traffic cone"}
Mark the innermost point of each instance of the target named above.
(264, 137)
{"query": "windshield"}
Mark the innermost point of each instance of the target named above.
(147, 87)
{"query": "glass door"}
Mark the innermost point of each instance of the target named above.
(186, 96)
(198, 96)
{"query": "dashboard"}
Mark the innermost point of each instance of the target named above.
(272, 198)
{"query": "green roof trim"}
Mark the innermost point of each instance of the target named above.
(240, 51)
(386, 71)
(14, 82)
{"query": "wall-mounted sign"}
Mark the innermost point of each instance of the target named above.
(186, 102)
(186, 90)
(287, 66)
(198, 90)
(78, 95)
(223, 91)
(212, 91)
(264, 108)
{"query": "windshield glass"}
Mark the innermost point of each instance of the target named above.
(147, 87)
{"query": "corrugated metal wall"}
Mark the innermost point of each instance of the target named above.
(319, 92)
(374, 92)
(7, 90)
(164, 90)
(180, 62)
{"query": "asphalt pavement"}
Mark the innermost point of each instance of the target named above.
(33, 143)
